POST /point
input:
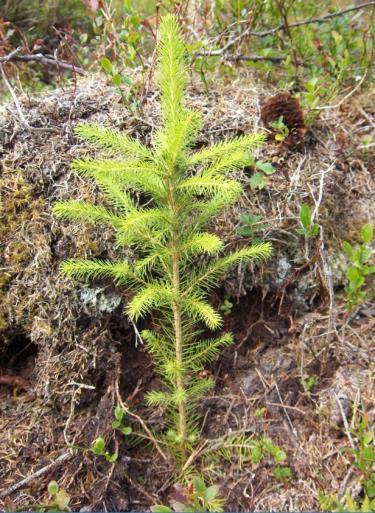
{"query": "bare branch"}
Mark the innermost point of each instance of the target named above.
(21, 116)
(21, 484)
(322, 19)
(248, 32)
(14, 96)
(46, 60)
(240, 57)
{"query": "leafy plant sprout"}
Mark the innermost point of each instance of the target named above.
(359, 269)
(179, 261)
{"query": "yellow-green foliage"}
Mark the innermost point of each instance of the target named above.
(179, 261)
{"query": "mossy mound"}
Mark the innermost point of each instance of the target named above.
(78, 333)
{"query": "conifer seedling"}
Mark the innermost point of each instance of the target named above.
(161, 200)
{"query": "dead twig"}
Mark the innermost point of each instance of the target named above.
(321, 19)
(124, 406)
(46, 60)
(282, 26)
(14, 96)
(38, 473)
(240, 57)
(345, 422)
(23, 120)
(138, 337)
(293, 429)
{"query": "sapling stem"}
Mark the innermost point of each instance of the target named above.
(176, 308)
(179, 343)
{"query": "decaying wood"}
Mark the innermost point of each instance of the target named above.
(13, 381)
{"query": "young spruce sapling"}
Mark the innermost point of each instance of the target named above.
(179, 260)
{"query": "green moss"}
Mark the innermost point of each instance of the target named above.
(20, 229)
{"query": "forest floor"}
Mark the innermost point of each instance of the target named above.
(68, 355)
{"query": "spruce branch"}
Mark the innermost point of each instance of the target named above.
(223, 149)
(113, 141)
(87, 212)
(133, 175)
(206, 277)
(82, 268)
(210, 185)
(201, 243)
(172, 74)
(202, 352)
(152, 296)
(200, 310)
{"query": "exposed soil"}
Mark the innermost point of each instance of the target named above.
(68, 354)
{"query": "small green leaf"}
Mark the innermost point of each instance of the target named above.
(192, 438)
(259, 413)
(247, 219)
(266, 167)
(352, 274)
(116, 79)
(99, 444)
(305, 216)
(116, 424)
(315, 230)
(347, 248)
(126, 80)
(119, 413)
(310, 383)
(111, 458)
(180, 506)
(367, 233)
(126, 430)
(268, 445)
(256, 454)
(370, 488)
(363, 423)
(159, 508)
(357, 255)
(279, 456)
(245, 231)
(282, 473)
(279, 137)
(367, 438)
(211, 493)
(62, 500)
(365, 255)
(199, 485)
(107, 65)
(53, 487)
(257, 181)
(311, 84)
(368, 454)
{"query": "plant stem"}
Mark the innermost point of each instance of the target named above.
(178, 334)
(176, 308)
